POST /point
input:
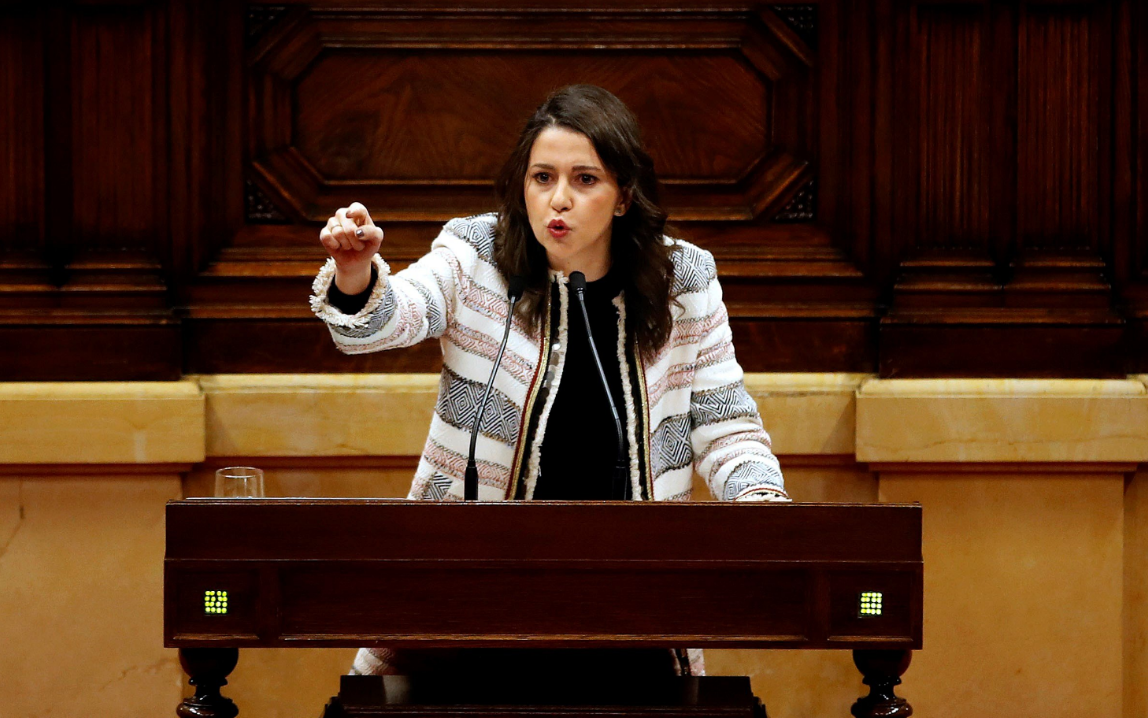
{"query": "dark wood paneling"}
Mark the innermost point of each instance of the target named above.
(417, 137)
(964, 347)
(87, 350)
(1060, 70)
(113, 169)
(826, 344)
(1004, 237)
(288, 569)
(953, 126)
(91, 303)
(231, 344)
(886, 184)
(1131, 175)
(21, 133)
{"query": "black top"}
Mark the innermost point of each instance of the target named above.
(352, 303)
(580, 447)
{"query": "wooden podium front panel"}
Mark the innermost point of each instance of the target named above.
(544, 574)
(398, 529)
(604, 603)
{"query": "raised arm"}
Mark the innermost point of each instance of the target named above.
(401, 309)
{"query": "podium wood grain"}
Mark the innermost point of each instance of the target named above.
(380, 572)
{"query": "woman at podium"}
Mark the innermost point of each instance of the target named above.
(607, 300)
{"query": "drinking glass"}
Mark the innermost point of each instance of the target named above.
(239, 482)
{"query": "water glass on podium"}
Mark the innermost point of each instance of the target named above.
(239, 482)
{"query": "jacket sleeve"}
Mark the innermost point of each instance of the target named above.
(731, 448)
(403, 308)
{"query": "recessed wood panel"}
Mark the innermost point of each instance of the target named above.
(561, 603)
(425, 116)
(1057, 132)
(953, 105)
(113, 150)
(21, 132)
(395, 111)
(253, 345)
(885, 183)
(805, 345)
(89, 350)
(1001, 349)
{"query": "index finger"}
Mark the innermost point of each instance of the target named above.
(358, 214)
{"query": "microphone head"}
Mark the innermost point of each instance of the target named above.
(515, 287)
(577, 280)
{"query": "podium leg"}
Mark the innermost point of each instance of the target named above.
(882, 671)
(208, 669)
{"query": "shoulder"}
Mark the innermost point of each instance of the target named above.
(694, 267)
(476, 231)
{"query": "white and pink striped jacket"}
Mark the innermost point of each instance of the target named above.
(691, 395)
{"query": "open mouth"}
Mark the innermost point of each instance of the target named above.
(557, 228)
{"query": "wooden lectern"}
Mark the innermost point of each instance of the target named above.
(347, 573)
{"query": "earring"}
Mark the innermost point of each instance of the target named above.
(618, 213)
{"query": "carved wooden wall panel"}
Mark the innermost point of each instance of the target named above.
(1130, 164)
(887, 185)
(21, 136)
(116, 202)
(1061, 71)
(83, 295)
(953, 163)
(393, 108)
(396, 112)
(1003, 232)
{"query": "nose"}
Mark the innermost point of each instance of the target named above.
(560, 200)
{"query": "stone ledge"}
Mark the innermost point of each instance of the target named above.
(851, 416)
(1002, 420)
(808, 414)
(101, 423)
(318, 415)
(314, 415)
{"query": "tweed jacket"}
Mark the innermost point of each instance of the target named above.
(691, 394)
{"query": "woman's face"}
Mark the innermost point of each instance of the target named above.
(571, 200)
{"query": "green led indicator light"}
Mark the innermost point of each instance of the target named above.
(870, 604)
(215, 602)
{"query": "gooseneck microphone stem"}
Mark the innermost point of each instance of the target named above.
(578, 281)
(470, 478)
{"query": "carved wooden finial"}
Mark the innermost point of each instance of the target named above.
(882, 671)
(208, 669)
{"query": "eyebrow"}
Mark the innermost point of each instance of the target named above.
(576, 167)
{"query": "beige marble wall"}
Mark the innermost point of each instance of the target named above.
(1002, 420)
(1136, 596)
(85, 471)
(1035, 530)
(1023, 580)
(81, 561)
(101, 423)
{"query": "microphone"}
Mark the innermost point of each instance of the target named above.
(578, 282)
(470, 481)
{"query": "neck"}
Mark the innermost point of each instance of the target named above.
(594, 270)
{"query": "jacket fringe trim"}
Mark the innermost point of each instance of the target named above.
(540, 432)
(321, 287)
(628, 395)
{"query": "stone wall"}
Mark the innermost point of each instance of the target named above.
(1035, 530)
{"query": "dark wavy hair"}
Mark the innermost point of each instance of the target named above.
(644, 262)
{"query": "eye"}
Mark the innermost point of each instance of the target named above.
(542, 176)
(589, 179)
